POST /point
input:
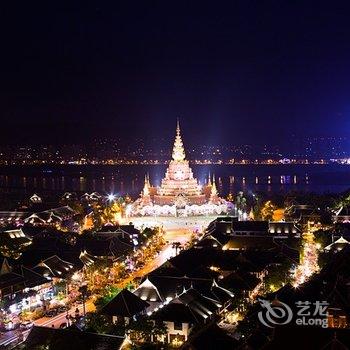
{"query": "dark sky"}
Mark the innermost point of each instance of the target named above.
(235, 71)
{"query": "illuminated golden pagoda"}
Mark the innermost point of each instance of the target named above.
(179, 192)
(179, 186)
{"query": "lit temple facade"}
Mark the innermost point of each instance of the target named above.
(179, 194)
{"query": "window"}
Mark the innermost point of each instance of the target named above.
(177, 326)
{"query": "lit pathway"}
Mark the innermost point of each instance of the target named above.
(309, 260)
(171, 236)
(175, 234)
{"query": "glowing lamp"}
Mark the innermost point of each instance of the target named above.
(111, 197)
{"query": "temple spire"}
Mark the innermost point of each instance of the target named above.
(209, 180)
(178, 149)
(214, 191)
(145, 191)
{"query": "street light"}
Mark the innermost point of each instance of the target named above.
(111, 197)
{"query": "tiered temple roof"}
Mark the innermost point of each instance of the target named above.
(179, 191)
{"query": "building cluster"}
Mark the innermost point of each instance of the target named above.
(206, 294)
(329, 290)
(37, 257)
(207, 284)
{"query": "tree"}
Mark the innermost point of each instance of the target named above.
(256, 210)
(176, 246)
(278, 276)
(140, 329)
(241, 201)
(97, 323)
(159, 330)
(323, 238)
(109, 293)
(84, 292)
(267, 211)
(145, 330)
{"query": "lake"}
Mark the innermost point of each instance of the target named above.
(122, 179)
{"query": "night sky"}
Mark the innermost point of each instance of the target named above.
(235, 71)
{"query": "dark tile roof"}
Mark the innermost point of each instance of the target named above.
(72, 339)
(58, 267)
(33, 256)
(196, 263)
(51, 215)
(210, 337)
(175, 312)
(148, 291)
(125, 304)
(246, 242)
(298, 337)
(190, 306)
(32, 231)
(63, 211)
(32, 278)
(299, 211)
(200, 305)
(239, 281)
(262, 226)
(104, 246)
(19, 279)
(213, 241)
(289, 252)
(219, 293)
(221, 223)
(11, 280)
(344, 211)
(218, 236)
(170, 287)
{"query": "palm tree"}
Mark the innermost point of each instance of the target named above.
(176, 246)
(83, 290)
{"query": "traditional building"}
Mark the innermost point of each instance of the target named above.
(180, 193)
(48, 337)
(124, 307)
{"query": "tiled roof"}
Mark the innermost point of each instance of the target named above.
(72, 339)
(57, 266)
(262, 226)
(210, 337)
(308, 337)
(148, 291)
(190, 306)
(125, 304)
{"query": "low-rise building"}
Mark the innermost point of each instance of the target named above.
(124, 306)
(180, 314)
(40, 337)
